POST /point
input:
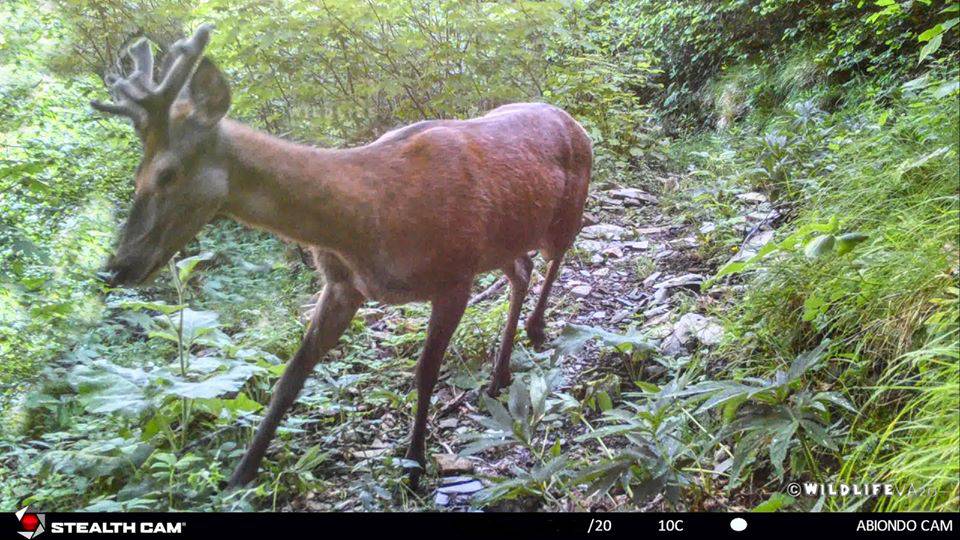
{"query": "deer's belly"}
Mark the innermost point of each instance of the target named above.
(423, 274)
(380, 290)
(398, 284)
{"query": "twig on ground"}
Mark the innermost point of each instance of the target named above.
(450, 406)
(490, 291)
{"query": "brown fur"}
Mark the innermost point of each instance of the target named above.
(411, 215)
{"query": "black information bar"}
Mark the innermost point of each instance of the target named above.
(488, 526)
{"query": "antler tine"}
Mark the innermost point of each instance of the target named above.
(142, 63)
(188, 51)
(122, 109)
(124, 94)
(137, 94)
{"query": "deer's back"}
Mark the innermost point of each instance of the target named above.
(457, 197)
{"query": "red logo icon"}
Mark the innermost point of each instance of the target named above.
(31, 523)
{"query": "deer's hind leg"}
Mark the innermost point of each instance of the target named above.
(519, 276)
(536, 325)
(445, 314)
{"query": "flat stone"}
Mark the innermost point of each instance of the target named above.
(655, 323)
(753, 245)
(653, 230)
(448, 423)
(638, 245)
(654, 311)
(460, 485)
(685, 280)
(633, 196)
(661, 295)
(687, 241)
(762, 215)
(371, 453)
(613, 252)
(691, 327)
(752, 196)
(582, 290)
(663, 253)
(711, 334)
(605, 231)
(450, 464)
(591, 246)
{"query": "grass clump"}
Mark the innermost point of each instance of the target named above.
(884, 172)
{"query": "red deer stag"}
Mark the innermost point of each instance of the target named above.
(412, 216)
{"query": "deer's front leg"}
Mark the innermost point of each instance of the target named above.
(444, 317)
(338, 303)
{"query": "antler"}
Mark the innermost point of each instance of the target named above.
(137, 96)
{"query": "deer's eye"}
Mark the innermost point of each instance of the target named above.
(166, 177)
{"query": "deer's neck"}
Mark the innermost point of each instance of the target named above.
(311, 195)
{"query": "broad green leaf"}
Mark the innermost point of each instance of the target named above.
(104, 387)
(137, 305)
(930, 33)
(946, 89)
(846, 242)
(808, 360)
(836, 399)
(519, 401)
(498, 412)
(538, 394)
(574, 336)
(775, 503)
(818, 434)
(819, 246)
(213, 386)
(782, 436)
(552, 467)
(186, 266)
(195, 324)
(604, 401)
(931, 47)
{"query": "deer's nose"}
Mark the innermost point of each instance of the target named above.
(108, 276)
(112, 272)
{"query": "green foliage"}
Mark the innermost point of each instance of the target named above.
(868, 256)
(694, 41)
(350, 71)
(601, 78)
(919, 446)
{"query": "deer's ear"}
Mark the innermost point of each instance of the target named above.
(209, 92)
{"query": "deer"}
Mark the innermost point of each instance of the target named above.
(413, 216)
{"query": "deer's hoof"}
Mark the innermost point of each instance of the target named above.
(537, 336)
(413, 479)
(239, 479)
(497, 386)
(414, 473)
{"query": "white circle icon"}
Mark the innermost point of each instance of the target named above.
(738, 524)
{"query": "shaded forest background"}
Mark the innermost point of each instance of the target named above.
(839, 358)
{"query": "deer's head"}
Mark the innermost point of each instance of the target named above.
(181, 182)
